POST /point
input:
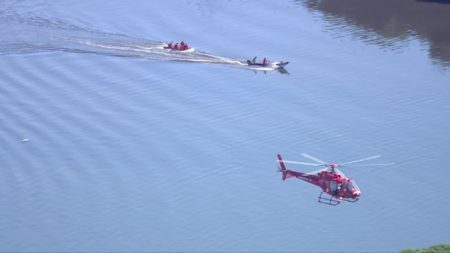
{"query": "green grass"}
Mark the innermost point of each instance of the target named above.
(441, 248)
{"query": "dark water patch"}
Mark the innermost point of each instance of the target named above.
(394, 21)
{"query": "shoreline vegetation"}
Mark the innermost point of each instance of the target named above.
(440, 248)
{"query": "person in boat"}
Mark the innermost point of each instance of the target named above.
(265, 61)
(183, 46)
(169, 46)
(254, 60)
(176, 46)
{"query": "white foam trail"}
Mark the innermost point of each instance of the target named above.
(38, 35)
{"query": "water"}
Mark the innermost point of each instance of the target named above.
(130, 149)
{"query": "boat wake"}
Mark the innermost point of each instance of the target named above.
(44, 35)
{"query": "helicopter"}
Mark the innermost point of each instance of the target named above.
(331, 180)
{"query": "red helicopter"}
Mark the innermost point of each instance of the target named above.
(332, 181)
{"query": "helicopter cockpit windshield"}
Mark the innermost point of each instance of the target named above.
(350, 186)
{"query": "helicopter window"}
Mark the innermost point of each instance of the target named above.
(333, 186)
(354, 185)
(345, 185)
(350, 186)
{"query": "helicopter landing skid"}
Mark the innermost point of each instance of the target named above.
(328, 201)
(350, 200)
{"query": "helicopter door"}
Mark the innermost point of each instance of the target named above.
(333, 187)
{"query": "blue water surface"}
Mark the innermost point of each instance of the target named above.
(135, 151)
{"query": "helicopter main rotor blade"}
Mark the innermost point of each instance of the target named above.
(302, 163)
(313, 158)
(362, 160)
(372, 164)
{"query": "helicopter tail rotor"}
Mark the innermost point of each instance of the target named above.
(283, 170)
